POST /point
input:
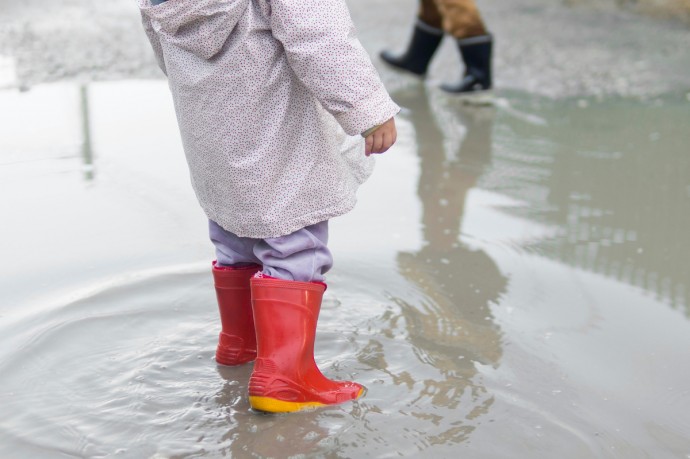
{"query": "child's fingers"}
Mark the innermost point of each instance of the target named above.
(387, 142)
(392, 138)
(382, 139)
(382, 148)
(378, 142)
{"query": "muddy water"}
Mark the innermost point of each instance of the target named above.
(513, 283)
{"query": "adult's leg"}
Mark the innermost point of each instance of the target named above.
(426, 37)
(429, 14)
(461, 19)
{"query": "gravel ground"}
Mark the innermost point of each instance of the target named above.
(545, 47)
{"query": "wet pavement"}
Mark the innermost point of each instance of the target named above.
(543, 47)
(513, 282)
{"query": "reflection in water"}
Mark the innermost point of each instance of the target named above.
(86, 150)
(128, 371)
(615, 179)
(251, 434)
(123, 366)
(451, 328)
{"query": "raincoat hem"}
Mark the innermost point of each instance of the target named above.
(261, 231)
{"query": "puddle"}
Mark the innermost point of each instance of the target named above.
(513, 282)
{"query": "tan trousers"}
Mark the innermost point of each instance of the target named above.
(459, 18)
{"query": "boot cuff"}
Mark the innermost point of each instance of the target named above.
(427, 28)
(476, 40)
(261, 280)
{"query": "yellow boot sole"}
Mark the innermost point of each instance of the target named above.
(273, 405)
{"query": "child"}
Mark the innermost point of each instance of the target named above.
(263, 90)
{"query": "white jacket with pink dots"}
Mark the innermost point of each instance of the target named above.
(271, 97)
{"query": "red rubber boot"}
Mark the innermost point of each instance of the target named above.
(285, 376)
(237, 340)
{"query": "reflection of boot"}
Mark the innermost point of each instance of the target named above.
(237, 340)
(476, 54)
(425, 41)
(285, 376)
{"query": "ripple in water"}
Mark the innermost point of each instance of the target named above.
(129, 372)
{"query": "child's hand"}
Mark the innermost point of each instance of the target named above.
(382, 138)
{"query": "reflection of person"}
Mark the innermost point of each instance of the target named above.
(298, 436)
(461, 20)
(263, 92)
(452, 326)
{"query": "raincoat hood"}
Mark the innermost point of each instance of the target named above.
(199, 26)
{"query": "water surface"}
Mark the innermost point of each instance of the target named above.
(513, 283)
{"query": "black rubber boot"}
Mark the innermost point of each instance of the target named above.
(425, 41)
(476, 54)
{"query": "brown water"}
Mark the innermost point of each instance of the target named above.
(513, 283)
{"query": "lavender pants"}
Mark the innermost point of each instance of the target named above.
(300, 256)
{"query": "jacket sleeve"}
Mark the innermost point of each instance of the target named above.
(322, 49)
(155, 42)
